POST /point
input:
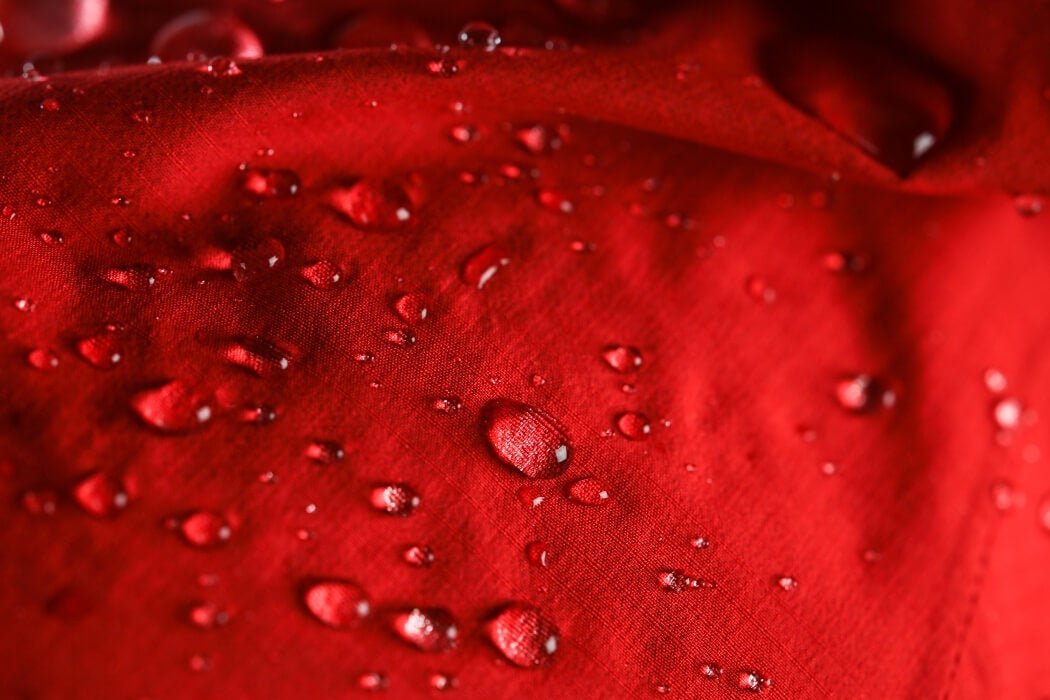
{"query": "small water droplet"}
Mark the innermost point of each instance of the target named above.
(787, 583)
(427, 629)
(829, 468)
(101, 495)
(555, 201)
(463, 133)
(526, 438)
(1007, 413)
(539, 554)
(399, 337)
(42, 359)
(1005, 497)
(374, 205)
(372, 681)
(622, 358)
(752, 681)
(325, 451)
(1029, 205)
(208, 615)
(337, 603)
(364, 357)
(24, 304)
(529, 495)
(258, 356)
(479, 268)
(843, 262)
(418, 555)
(394, 499)
(862, 393)
(441, 681)
(51, 237)
(40, 502)
(711, 671)
(994, 380)
(700, 542)
(103, 351)
(205, 529)
(200, 663)
(258, 415)
(256, 257)
(121, 237)
(538, 139)
(444, 66)
(676, 581)
(588, 491)
(171, 408)
(322, 274)
(446, 404)
(759, 290)
(522, 635)
(221, 66)
(135, 278)
(270, 184)
(412, 307)
(479, 35)
(633, 426)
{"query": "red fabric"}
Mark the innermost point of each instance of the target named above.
(668, 178)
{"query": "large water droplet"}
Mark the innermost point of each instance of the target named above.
(633, 426)
(893, 107)
(394, 499)
(202, 34)
(374, 205)
(205, 529)
(103, 351)
(479, 268)
(427, 629)
(101, 495)
(622, 358)
(171, 408)
(588, 491)
(526, 438)
(479, 35)
(336, 603)
(270, 184)
(522, 635)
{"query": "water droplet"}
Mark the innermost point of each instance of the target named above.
(555, 201)
(829, 468)
(588, 491)
(400, 337)
(270, 184)
(700, 542)
(50, 104)
(530, 496)
(373, 205)
(412, 308)
(258, 415)
(199, 663)
(101, 495)
(24, 304)
(752, 681)
(479, 35)
(201, 33)
(1029, 205)
(364, 357)
(539, 554)
(894, 109)
(372, 681)
(205, 529)
(135, 278)
(208, 615)
(522, 635)
(710, 671)
(322, 274)
(221, 66)
(1007, 413)
(622, 358)
(336, 603)
(41, 502)
(633, 426)
(103, 351)
(676, 581)
(862, 393)
(479, 268)
(1005, 497)
(325, 451)
(42, 358)
(256, 355)
(463, 133)
(787, 583)
(418, 555)
(446, 404)
(526, 438)
(51, 237)
(255, 258)
(994, 380)
(843, 262)
(538, 139)
(441, 681)
(394, 499)
(427, 629)
(171, 408)
(759, 290)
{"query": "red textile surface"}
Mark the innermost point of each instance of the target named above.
(692, 169)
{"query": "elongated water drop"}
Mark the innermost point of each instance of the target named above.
(171, 408)
(337, 603)
(526, 438)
